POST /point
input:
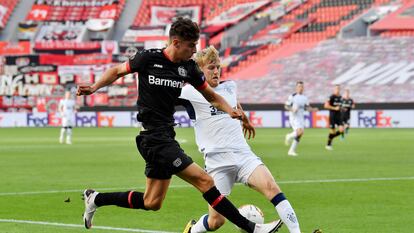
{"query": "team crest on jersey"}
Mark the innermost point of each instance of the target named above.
(229, 90)
(182, 71)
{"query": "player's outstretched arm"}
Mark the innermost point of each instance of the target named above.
(108, 77)
(219, 102)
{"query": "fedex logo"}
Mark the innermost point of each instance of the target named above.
(256, 121)
(37, 120)
(105, 120)
(54, 119)
(375, 119)
(92, 119)
(86, 119)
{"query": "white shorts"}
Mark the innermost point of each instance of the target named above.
(67, 121)
(228, 168)
(296, 123)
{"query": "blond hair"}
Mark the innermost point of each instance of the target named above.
(206, 56)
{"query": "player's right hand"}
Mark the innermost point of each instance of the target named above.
(85, 90)
(236, 114)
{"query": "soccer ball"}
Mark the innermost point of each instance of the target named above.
(252, 213)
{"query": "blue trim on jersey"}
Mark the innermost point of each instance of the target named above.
(188, 107)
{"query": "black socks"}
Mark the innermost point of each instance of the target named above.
(222, 205)
(130, 199)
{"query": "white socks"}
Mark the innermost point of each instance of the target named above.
(294, 145)
(199, 226)
(288, 216)
(68, 132)
(69, 136)
(62, 135)
(292, 135)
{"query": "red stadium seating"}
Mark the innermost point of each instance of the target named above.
(9, 5)
(81, 12)
(210, 8)
(398, 33)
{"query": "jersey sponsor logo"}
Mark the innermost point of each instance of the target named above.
(182, 71)
(165, 82)
(158, 66)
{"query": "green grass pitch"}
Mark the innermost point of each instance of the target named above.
(365, 185)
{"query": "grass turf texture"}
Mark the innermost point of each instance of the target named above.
(32, 160)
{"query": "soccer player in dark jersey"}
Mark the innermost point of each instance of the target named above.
(333, 104)
(162, 74)
(347, 104)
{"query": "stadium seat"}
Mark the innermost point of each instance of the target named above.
(81, 12)
(10, 6)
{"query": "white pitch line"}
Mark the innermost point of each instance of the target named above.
(79, 190)
(188, 186)
(56, 224)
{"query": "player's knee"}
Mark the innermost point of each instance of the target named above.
(300, 133)
(205, 183)
(154, 205)
(271, 189)
(216, 222)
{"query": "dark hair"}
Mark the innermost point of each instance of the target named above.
(185, 29)
(299, 82)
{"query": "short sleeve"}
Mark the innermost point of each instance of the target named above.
(185, 93)
(137, 62)
(233, 86)
(197, 79)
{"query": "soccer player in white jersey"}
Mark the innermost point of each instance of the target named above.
(228, 157)
(67, 112)
(297, 104)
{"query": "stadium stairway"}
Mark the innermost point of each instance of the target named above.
(18, 15)
(126, 19)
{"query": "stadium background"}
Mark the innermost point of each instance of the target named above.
(47, 47)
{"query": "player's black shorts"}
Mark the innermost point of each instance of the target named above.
(162, 153)
(345, 117)
(335, 120)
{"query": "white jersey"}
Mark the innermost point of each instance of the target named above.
(68, 106)
(299, 102)
(215, 130)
